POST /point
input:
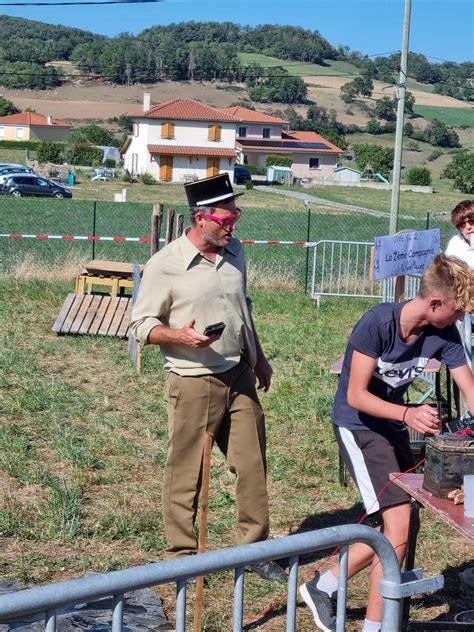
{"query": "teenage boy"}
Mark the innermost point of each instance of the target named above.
(387, 350)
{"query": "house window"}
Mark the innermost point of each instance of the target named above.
(266, 132)
(134, 163)
(135, 129)
(2, 132)
(314, 163)
(19, 132)
(167, 130)
(215, 132)
(242, 132)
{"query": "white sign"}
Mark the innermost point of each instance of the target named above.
(404, 253)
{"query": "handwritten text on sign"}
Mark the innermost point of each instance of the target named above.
(404, 253)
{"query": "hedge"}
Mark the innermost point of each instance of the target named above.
(19, 144)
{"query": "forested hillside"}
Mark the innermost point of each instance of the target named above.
(195, 51)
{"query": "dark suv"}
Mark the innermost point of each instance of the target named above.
(23, 184)
(241, 175)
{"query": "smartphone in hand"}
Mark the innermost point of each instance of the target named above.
(215, 329)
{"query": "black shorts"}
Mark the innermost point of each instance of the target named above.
(371, 457)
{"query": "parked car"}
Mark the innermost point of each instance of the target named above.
(30, 184)
(241, 175)
(5, 172)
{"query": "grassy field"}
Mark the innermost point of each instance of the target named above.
(14, 156)
(412, 84)
(331, 68)
(83, 443)
(450, 116)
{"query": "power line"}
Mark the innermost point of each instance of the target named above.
(61, 75)
(242, 78)
(75, 3)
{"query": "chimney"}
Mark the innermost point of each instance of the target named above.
(146, 101)
(50, 120)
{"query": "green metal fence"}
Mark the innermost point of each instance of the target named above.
(67, 219)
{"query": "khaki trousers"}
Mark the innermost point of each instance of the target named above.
(226, 405)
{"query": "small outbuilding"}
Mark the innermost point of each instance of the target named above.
(347, 175)
(277, 173)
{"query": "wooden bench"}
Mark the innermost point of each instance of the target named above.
(114, 274)
(94, 315)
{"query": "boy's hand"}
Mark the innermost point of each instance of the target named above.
(423, 419)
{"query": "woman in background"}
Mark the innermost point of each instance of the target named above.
(462, 244)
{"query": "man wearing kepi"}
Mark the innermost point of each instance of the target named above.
(387, 350)
(196, 281)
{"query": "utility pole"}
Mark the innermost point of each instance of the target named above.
(400, 94)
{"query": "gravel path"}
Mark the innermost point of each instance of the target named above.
(321, 201)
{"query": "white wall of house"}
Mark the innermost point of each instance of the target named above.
(185, 167)
(326, 163)
(146, 132)
(255, 130)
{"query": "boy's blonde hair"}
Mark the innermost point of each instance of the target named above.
(450, 278)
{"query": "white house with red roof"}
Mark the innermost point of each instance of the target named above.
(32, 126)
(180, 140)
(313, 156)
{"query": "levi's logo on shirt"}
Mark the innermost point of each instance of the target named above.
(396, 374)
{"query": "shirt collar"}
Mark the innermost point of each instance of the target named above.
(190, 252)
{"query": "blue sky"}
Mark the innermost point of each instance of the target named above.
(440, 29)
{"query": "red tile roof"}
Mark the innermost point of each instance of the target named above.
(186, 109)
(250, 116)
(31, 118)
(171, 150)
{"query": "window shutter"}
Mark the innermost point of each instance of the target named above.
(167, 130)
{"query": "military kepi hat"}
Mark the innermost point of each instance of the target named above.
(210, 190)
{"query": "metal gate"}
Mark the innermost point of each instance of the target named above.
(342, 268)
(393, 587)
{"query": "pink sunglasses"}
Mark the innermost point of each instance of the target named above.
(225, 222)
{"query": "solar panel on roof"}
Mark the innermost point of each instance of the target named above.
(282, 144)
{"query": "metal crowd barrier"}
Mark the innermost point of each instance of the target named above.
(50, 598)
(342, 268)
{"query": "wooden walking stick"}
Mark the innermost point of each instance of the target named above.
(206, 467)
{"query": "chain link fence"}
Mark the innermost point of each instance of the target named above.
(56, 236)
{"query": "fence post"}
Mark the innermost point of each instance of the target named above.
(308, 237)
(179, 225)
(94, 221)
(156, 219)
(427, 220)
(169, 226)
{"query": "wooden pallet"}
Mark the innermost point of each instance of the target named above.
(94, 315)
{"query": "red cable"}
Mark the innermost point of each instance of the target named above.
(261, 614)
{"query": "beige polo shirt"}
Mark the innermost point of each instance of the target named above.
(179, 284)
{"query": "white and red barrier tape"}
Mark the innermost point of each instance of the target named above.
(143, 240)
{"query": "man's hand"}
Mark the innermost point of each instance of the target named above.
(423, 419)
(188, 336)
(263, 371)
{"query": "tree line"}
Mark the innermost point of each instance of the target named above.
(201, 51)
(447, 77)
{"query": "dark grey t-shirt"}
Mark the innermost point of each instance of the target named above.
(398, 363)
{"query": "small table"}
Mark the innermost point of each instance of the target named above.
(448, 512)
(116, 274)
